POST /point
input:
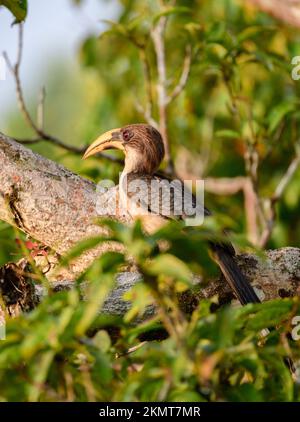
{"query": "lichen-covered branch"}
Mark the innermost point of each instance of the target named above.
(48, 202)
(276, 276)
(58, 208)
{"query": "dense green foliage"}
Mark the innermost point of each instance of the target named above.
(239, 97)
(62, 350)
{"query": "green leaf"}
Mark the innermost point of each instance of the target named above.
(253, 31)
(224, 328)
(185, 396)
(278, 113)
(111, 260)
(102, 341)
(171, 11)
(217, 32)
(245, 393)
(266, 315)
(102, 367)
(193, 28)
(17, 7)
(96, 294)
(115, 28)
(171, 266)
(227, 133)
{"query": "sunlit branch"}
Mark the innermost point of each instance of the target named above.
(183, 77)
(270, 204)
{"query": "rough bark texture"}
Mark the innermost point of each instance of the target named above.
(58, 208)
(276, 276)
(49, 202)
(16, 290)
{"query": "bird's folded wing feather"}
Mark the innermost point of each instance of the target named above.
(169, 199)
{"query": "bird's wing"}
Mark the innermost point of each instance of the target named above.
(170, 199)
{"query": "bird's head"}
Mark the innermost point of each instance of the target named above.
(142, 144)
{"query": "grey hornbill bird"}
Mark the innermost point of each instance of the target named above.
(144, 151)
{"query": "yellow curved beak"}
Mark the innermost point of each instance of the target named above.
(109, 140)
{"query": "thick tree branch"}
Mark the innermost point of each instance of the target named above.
(58, 208)
(46, 201)
(276, 276)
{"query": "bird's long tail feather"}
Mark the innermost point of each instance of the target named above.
(241, 286)
(234, 277)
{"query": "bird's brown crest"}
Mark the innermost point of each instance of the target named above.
(142, 144)
(147, 141)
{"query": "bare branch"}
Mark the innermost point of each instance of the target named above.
(20, 48)
(270, 204)
(183, 77)
(8, 62)
(287, 11)
(147, 110)
(148, 80)
(231, 186)
(146, 114)
(54, 141)
(269, 224)
(67, 147)
(225, 185)
(157, 35)
(41, 108)
(41, 135)
(252, 204)
(292, 168)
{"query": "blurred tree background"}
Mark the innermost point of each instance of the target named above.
(233, 118)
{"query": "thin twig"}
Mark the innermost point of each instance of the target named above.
(252, 203)
(147, 116)
(54, 141)
(37, 128)
(131, 350)
(41, 109)
(157, 35)
(20, 48)
(270, 204)
(286, 178)
(147, 110)
(67, 147)
(8, 62)
(183, 77)
(148, 80)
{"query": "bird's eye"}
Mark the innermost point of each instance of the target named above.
(126, 135)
